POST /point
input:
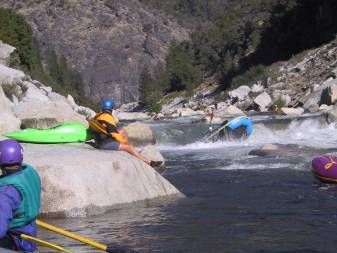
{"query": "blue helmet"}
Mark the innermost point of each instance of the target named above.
(107, 104)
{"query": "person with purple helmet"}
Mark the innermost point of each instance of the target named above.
(20, 190)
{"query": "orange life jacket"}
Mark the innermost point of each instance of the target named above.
(100, 124)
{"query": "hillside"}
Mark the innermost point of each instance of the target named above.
(144, 49)
(108, 42)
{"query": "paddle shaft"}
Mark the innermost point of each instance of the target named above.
(97, 245)
(216, 132)
(40, 242)
(71, 235)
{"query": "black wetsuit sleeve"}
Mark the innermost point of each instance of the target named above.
(109, 127)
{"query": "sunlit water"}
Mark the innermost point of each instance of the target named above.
(234, 202)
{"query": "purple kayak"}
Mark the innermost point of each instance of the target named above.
(324, 169)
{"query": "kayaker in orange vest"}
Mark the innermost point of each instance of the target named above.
(109, 137)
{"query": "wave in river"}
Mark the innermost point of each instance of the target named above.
(310, 132)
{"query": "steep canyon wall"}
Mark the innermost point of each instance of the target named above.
(108, 42)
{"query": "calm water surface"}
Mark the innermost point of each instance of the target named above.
(234, 202)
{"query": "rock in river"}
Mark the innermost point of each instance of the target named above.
(78, 180)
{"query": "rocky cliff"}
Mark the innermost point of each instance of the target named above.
(108, 42)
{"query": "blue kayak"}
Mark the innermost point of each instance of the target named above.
(238, 128)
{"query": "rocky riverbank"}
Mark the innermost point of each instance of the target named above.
(305, 83)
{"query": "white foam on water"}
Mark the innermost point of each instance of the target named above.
(202, 145)
(245, 166)
(308, 132)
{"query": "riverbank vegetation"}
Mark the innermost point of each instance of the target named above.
(235, 41)
(55, 72)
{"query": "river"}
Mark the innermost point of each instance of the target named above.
(234, 202)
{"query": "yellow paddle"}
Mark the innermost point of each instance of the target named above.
(216, 132)
(41, 242)
(109, 249)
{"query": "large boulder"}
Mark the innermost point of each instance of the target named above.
(292, 111)
(8, 122)
(332, 114)
(326, 108)
(152, 153)
(33, 93)
(5, 53)
(140, 134)
(323, 94)
(86, 112)
(78, 180)
(56, 109)
(258, 87)
(245, 105)
(131, 116)
(240, 93)
(287, 150)
(185, 112)
(329, 94)
(34, 104)
(9, 76)
(263, 101)
(281, 97)
(228, 111)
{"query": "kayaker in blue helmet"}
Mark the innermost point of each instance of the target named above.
(109, 136)
(20, 189)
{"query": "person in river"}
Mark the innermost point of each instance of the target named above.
(109, 136)
(20, 190)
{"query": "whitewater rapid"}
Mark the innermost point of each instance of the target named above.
(309, 132)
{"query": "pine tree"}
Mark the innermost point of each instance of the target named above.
(53, 66)
(150, 92)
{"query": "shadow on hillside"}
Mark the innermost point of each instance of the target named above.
(309, 24)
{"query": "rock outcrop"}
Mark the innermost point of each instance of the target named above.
(228, 111)
(131, 116)
(263, 101)
(8, 122)
(186, 112)
(292, 111)
(5, 53)
(28, 103)
(287, 150)
(140, 134)
(152, 153)
(108, 42)
(78, 180)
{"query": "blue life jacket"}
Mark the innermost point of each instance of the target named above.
(28, 183)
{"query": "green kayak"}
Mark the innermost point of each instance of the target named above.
(67, 132)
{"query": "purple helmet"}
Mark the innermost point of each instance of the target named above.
(11, 152)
